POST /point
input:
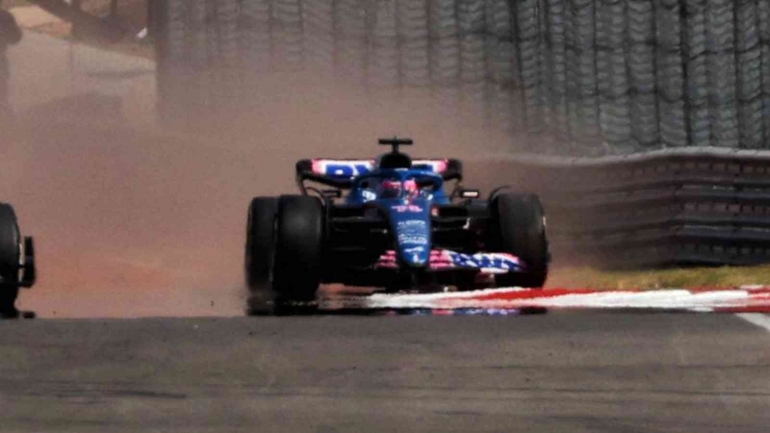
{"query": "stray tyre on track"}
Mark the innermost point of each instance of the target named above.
(389, 223)
(17, 261)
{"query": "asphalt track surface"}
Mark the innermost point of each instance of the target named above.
(558, 371)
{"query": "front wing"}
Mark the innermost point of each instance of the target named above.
(446, 260)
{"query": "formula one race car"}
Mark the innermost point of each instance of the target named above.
(17, 261)
(389, 223)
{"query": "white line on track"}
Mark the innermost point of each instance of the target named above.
(760, 320)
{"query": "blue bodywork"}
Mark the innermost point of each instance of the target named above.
(408, 201)
(388, 222)
(408, 212)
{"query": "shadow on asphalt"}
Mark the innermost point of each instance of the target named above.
(18, 315)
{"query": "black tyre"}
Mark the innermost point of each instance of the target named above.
(10, 254)
(520, 230)
(260, 241)
(298, 248)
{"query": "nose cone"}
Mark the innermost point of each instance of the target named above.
(410, 224)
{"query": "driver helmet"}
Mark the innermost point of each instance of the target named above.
(390, 188)
(410, 186)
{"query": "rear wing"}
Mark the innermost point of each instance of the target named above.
(340, 173)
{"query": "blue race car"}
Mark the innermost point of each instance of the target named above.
(390, 223)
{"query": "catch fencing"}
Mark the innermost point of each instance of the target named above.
(584, 77)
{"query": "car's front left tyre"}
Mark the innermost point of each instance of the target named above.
(520, 229)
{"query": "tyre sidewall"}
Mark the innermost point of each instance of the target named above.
(10, 252)
(520, 230)
(10, 241)
(300, 228)
(260, 241)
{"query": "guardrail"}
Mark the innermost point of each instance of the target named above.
(682, 207)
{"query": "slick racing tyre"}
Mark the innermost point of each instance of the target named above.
(260, 241)
(298, 248)
(520, 230)
(10, 254)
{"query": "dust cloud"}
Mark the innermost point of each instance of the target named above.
(150, 221)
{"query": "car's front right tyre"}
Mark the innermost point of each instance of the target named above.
(297, 266)
(260, 241)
